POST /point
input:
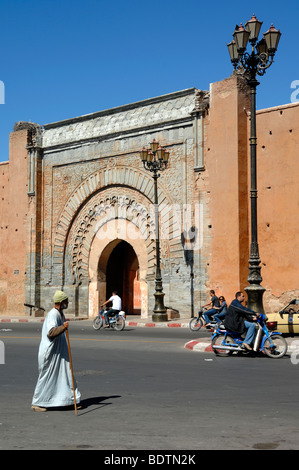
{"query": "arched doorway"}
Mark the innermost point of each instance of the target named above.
(122, 275)
(102, 247)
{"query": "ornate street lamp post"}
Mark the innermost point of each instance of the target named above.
(250, 65)
(155, 160)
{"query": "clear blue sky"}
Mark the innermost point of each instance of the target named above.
(65, 58)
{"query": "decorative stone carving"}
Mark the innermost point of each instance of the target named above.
(84, 215)
(103, 207)
(122, 176)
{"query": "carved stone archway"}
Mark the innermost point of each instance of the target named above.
(101, 248)
(110, 205)
(126, 194)
(116, 176)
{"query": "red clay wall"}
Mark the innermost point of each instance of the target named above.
(228, 168)
(278, 202)
(4, 196)
(14, 206)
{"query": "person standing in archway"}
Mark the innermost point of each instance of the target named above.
(116, 307)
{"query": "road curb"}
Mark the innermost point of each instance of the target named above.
(128, 322)
(157, 325)
(200, 346)
(206, 346)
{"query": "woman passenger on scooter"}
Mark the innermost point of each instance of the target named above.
(221, 311)
(240, 319)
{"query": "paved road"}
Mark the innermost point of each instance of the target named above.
(142, 390)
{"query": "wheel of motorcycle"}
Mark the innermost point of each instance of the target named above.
(196, 324)
(119, 324)
(97, 323)
(218, 341)
(275, 347)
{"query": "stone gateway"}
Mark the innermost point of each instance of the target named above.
(77, 206)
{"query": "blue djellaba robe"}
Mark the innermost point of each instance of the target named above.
(54, 386)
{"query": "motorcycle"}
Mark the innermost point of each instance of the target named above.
(197, 322)
(271, 343)
(116, 322)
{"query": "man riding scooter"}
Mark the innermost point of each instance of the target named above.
(116, 307)
(240, 319)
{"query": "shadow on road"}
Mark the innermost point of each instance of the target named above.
(91, 402)
(85, 404)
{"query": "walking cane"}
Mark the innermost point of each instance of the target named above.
(70, 356)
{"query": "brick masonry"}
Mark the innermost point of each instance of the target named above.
(73, 190)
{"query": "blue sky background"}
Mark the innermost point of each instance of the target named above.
(66, 58)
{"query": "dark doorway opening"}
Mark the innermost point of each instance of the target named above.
(122, 275)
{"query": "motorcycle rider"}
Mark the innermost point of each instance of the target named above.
(215, 304)
(240, 319)
(116, 307)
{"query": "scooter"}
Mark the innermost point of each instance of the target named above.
(271, 343)
(117, 322)
(196, 323)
